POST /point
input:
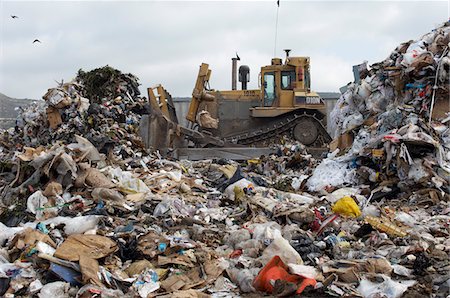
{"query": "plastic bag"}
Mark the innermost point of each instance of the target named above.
(331, 172)
(346, 206)
(414, 50)
(352, 121)
(44, 248)
(297, 181)
(9, 232)
(360, 142)
(265, 231)
(296, 198)
(405, 219)
(237, 237)
(72, 225)
(106, 194)
(281, 247)
(363, 90)
(57, 289)
(128, 183)
(176, 207)
(241, 184)
(388, 288)
(417, 171)
(304, 271)
(86, 148)
(35, 204)
(376, 102)
(243, 278)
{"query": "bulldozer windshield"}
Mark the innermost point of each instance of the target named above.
(287, 78)
(269, 88)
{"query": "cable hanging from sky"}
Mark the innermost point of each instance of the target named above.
(276, 31)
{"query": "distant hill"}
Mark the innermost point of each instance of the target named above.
(8, 112)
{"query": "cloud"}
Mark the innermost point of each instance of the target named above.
(165, 42)
(330, 72)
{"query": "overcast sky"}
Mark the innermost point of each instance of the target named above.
(166, 41)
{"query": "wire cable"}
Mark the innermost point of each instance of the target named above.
(276, 31)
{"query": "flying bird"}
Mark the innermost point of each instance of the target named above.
(14, 17)
(36, 40)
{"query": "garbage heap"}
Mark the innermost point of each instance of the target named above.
(79, 222)
(393, 123)
(102, 105)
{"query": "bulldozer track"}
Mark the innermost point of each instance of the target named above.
(284, 126)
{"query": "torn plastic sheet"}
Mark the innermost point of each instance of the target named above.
(388, 288)
(35, 204)
(127, 183)
(86, 148)
(331, 172)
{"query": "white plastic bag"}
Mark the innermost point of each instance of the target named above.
(265, 231)
(281, 247)
(414, 50)
(352, 121)
(35, 204)
(57, 289)
(331, 172)
(243, 183)
(388, 288)
(127, 182)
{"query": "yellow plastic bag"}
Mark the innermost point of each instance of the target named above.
(346, 207)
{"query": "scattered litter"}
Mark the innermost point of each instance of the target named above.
(87, 211)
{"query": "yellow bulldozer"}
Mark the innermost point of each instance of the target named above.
(283, 106)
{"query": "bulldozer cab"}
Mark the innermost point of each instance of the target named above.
(280, 82)
(286, 87)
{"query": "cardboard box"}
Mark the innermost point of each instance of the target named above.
(343, 142)
(54, 117)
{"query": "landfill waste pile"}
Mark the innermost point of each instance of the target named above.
(102, 105)
(86, 212)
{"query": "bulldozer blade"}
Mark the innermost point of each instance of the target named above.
(242, 153)
(159, 133)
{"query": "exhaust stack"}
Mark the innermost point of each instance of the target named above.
(234, 72)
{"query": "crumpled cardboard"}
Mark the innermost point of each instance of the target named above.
(92, 177)
(30, 153)
(177, 259)
(91, 246)
(54, 117)
(194, 277)
(188, 294)
(175, 282)
(30, 237)
(148, 244)
(350, 271)
(90, 270)
(342, 142)
(106, 194)
(138, 267)
(53, 189)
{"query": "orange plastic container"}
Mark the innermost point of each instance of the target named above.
(277, 269)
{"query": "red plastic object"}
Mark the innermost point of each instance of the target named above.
(306, 282)
(275, 270)
(236, 253)
(394, 138)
